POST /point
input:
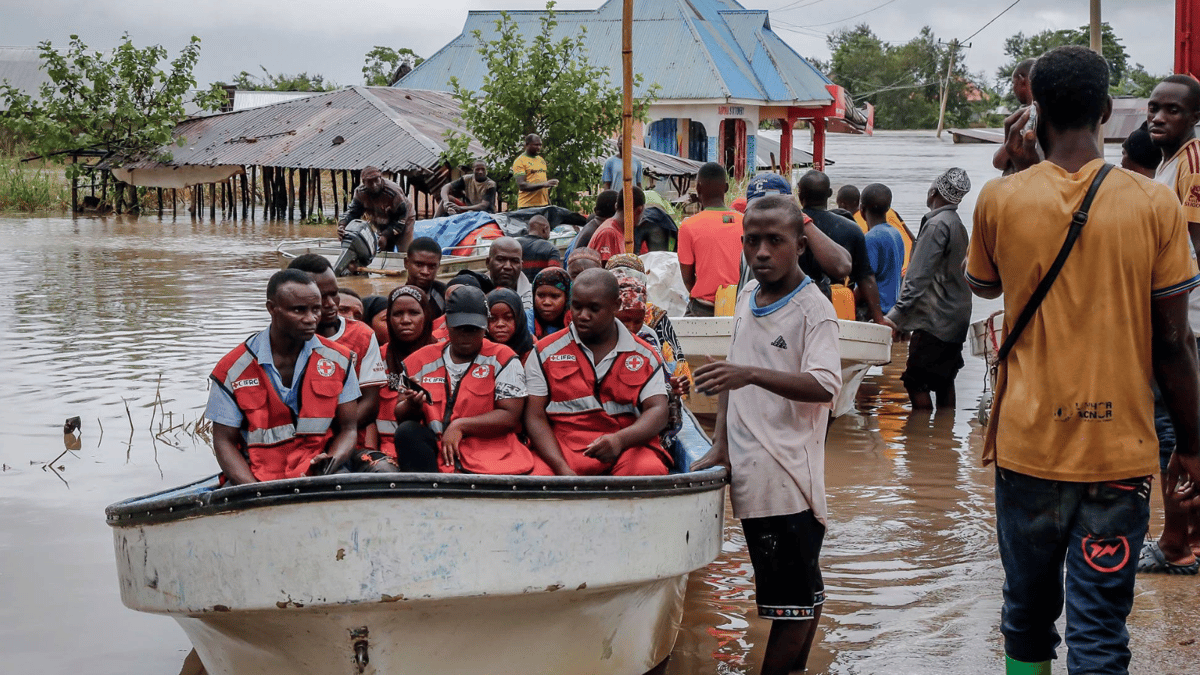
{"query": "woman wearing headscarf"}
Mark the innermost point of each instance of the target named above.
(375, 316)
(408, 319)
(550, 312)
(656, 318)
(581, 259)
(507, 322)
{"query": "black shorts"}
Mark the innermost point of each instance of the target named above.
(932, 363)
(785, 552)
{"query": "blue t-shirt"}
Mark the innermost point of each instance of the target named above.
(614, 172)
(885, 249)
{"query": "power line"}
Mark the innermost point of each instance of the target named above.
(812, 25)
(993, 20)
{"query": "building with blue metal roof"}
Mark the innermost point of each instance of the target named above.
(719, 67)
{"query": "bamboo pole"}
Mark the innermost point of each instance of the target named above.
(627, 121)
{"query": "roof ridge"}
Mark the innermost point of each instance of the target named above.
(398, 120)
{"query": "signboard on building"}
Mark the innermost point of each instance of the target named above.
(731, 111)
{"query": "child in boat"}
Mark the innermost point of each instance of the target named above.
(410, 328)
(602, 418)
(551, 289)
(468, 396)
(507, 324)
(776, 389)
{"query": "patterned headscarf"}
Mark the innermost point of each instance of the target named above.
(633, 296)
(553, 276)
(625, 260)
(585, 253)
(953, 185)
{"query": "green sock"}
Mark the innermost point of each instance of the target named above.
(1015, 667)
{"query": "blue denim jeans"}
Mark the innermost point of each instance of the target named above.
(1095, 530)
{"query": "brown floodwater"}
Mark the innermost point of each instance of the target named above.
(119, 320)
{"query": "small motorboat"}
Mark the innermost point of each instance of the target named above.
(424, 573)
(862, 345)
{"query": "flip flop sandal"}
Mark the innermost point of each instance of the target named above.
(1152, 561)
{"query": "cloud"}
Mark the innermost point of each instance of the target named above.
(331, 39)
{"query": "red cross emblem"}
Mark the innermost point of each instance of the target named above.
(325, 368)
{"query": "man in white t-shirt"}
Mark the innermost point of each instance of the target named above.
(776, 391)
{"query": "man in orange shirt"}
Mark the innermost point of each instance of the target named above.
(609, 239)
(710, 242)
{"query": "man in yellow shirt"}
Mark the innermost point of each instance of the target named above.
(1172, 114)
(529, 172)
(1072, 431)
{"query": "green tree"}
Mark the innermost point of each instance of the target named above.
(282, 82)
(903, 81)
(382, 63)
(123, 103)
(1019, 47)
(548, 87)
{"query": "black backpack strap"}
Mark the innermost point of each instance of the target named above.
(1043, 287)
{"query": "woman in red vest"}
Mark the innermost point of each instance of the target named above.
(409, 328)
(462, 401)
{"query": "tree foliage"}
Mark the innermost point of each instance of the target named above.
(123, 103)
(545, 86)
(282, 82)
(1124, 80)
(902, 81)
(382, 63)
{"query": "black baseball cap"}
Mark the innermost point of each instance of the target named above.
(466, 306)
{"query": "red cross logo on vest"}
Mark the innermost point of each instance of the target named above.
(325, 368)
(634, 363)
(480, 372)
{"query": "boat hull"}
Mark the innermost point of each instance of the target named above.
(861, 345)
(452, 574)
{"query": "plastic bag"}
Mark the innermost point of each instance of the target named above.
(664, 283)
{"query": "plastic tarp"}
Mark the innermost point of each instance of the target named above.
(451, 230)
(664, 283)
(178, 177)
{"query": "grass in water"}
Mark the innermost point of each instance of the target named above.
(26, 188)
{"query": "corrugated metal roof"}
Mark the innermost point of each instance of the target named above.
(21, 67)
(244, 99)
(693, 49)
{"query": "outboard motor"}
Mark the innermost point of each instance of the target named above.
(358, 246)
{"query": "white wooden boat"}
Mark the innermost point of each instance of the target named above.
(862, 345)
(423, 573)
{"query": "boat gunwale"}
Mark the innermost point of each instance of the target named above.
(156, 508)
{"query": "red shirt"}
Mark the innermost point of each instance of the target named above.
(712, 241)
(609, 240)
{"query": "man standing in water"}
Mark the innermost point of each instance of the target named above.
(776, 390)
(529, 173)
(384, 204)
(1072, 425)
(264, 429)
(1173, 112)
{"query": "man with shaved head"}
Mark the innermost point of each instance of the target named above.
(603, 418)
(848, 198)
(504, 262)
(384, 204)
(815, 192)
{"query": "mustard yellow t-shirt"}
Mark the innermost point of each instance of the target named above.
(534, 169)
(1073, 398)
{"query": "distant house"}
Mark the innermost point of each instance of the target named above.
(720, 68)
(21, 67)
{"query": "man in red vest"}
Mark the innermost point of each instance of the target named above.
(597, 395)
(356, 336)
(264, 429)
(463, 400)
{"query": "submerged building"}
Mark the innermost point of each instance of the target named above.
(719, 67)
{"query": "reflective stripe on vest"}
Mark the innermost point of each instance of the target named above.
(436, 426)
(333, 355)
(313, 425)
(271, 436)
(235, 371)
(588, 404)
(386, 426)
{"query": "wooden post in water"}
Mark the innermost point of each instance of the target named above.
(291, 194)
(253, 190)
(345, 192)
(333, 186)
(242, 180)
(212, 201)
(174, 202)
(159, 201)
(627, 121)
(303, 180)
(320, 200)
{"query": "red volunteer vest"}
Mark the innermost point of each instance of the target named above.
(357, 338)
(581, 409)
(502, 455)
(280, 443)
(385, 421)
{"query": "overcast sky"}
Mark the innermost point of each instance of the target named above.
(331, 38)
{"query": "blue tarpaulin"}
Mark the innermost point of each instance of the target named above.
(450, 230)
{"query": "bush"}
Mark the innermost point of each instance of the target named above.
(25, 188)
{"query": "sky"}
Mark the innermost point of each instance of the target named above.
(317, 36)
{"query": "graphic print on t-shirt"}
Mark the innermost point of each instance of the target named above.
(779, 342)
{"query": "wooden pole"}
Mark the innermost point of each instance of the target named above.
(333, 186)
(291, 194)
(345, 192)
(1096, 39)
(253, 190)
(174, 202)
(946, 86)
(212, 201)
(160, 208)
(243, 181)
(320, 200)
(303, 195)
(627, 121)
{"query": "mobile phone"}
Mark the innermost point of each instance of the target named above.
(1031, 124)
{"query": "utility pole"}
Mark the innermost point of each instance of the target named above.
(1097, 45)
(946, 83)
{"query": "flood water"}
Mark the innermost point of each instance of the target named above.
(119, 321)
